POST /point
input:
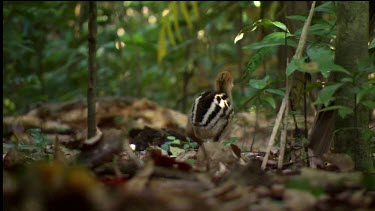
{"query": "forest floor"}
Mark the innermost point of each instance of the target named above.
(49, 164)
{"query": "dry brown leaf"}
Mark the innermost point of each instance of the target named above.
(188, 154)
(138, 183)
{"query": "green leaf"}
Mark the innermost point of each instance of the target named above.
(364, 91)
(294, 65)
(304, 184)
(263, 22)
(194, 145)
(342, 110)
(243, 148)
(271, 40)
(372, 44)
(326, 94)
(276, 91)
(190, 161)
(266, 22)
(345, 111)
(314, 85)
(176, 141)
(323, 56)
(256, 60)
(271, 101)
(176, 151)
(8, 146)
(165, 146)
(369, 104)
(230, 141)
(186, 146)
(328, 7)
(172, 138)
(259, 84)
(297, 17)
(347, 80)
(324, 29)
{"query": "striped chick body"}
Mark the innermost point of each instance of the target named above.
(211, 114)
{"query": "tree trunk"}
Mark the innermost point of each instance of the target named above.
(352, 38)
(91, 117)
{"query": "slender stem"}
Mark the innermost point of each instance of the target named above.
(91, 118)
(297, 55)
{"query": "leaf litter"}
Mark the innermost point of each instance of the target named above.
(101, 174)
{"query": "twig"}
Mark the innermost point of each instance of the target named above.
(92, 69)
(297, 55)
(274, 131)
(131, 154)
(284, 132)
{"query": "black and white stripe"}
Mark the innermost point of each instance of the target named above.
(210, 114)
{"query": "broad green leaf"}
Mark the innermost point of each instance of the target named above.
(372, 44)
(256, 60)
(369, 104)
(172, 138)
(328, 7)
(176, 151)
(326, 67)
(273, 39)
(297, 17)
(262, 22)
(175, 141)
(193, 145)
(342, 110)
(293, 65)
(190, 161)
(186, 146)
(301, 183)
(314, 85)
(165, 146)
(271, 101)
(278, 35)
(366, 65)
(259, 84)
(232, 140)
(322, 29)
(330, 108)
(347, 80)
(345, 111)
(269, 43)
(276, 91)
(8, 146)
(326, 94)
(266, 22)
(364, 91)
(323, 56)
